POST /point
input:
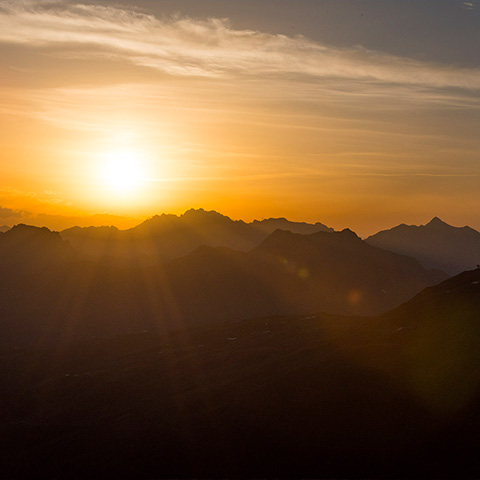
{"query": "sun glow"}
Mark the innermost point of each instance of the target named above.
(123, 170)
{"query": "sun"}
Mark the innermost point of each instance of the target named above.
(123, 171)
(122, 178)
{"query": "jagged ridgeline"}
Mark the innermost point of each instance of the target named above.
(164, 237)
(52, 289)
(435, 245)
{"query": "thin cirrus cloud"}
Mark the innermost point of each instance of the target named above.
(184, 46)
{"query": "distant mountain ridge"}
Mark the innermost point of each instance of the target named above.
(436, 244)
(271, 224)
(49, 292)
(32, 248)
(164, 237)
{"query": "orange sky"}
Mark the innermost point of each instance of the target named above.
(216, 114)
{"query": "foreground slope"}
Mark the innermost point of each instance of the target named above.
(435, 245)
(430, 344)
(310, 396)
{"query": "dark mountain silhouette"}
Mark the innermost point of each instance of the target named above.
(318, 396)
(435, 245)
(107, 244)
(165, 237)
(50, 294)
(24, 247)
(430, 344)
(269, 225)
(4, 228)
(441, 326)
(291, 273)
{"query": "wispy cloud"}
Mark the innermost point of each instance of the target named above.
(47, 197)
(184, 46)
(10, 217)
(7, 213)
(470, 5)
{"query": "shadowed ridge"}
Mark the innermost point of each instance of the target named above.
(24, 229)
(190, 217)
(436, 222)
(341, 268)
(433, 343)
(172, 236)
(102, 236)
(436, 244)
(287, 239)
(344, 248)
(105, 242)
(465, 284)
(208, 216)
(288, 273)
(165, 237)
(154, 222)
(350, 233)
(25, 247)
(29, 235)
(278, 235)
(271, 224)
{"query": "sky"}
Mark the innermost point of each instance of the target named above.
(360, 114)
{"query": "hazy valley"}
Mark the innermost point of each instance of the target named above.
(303, 352)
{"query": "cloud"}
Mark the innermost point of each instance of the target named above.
(11, 216)
(45, 198)
(211, 48)
(10, 212)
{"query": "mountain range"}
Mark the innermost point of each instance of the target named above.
(306, 354)
(435, 245)
(50, 292)
(164, 237)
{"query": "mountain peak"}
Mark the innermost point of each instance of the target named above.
(202, 212)
(436, 222)
(34, 246)
(201, 216)
(287, 239)
(436, 245)
(22, 234)
(22, 230)
(346, 232)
